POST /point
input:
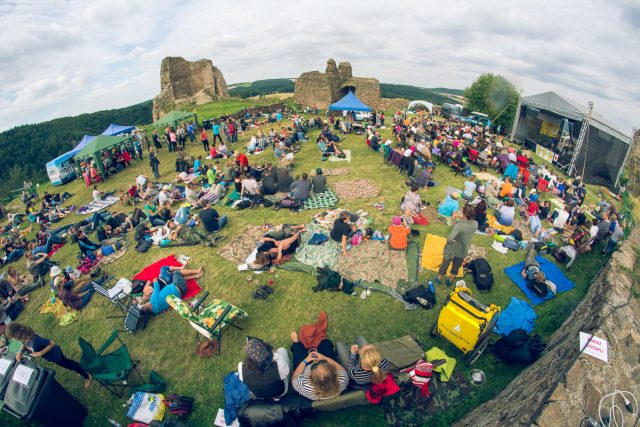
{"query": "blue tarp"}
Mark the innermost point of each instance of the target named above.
(552, 272)
(117, 129)
(350, 102)
(518, 315)
(85, 140)
(62, 158)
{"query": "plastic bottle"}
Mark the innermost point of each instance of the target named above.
(114, 423)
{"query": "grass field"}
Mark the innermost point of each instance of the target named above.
(167, 345)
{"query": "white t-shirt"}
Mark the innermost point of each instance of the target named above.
(97, 195)
(141, 181)
(561, 219)
(162, 197)
(593, 231)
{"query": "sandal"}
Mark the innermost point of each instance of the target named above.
(260, 294)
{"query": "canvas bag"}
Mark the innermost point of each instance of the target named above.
(482, 274)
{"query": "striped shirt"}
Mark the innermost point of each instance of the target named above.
(359, 375)
(302, 384)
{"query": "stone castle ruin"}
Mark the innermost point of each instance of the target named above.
(323, 89)
(185, 82)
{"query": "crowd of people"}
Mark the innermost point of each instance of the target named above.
(182, 213)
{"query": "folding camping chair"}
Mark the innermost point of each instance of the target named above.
(113, 293)
(111, 370)
(210, 321)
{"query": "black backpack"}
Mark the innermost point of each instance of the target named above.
(482, 275)
(517, 234)
(519, 347)
(143, 246)
(421, 295)
(541, 289)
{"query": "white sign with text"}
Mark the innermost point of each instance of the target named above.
(597, 347)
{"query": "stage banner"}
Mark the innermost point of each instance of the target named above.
(545, 153)
(550, 128)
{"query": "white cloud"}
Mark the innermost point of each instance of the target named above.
(59, 57)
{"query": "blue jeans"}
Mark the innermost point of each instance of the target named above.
(97, 218)
(15, 254)
(179, 282)
(222, 222)
(87, 297)
(182, 216)
(611, 246)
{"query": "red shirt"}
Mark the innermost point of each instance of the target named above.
(203, 135)
(533, 208)
(126, 156)
(213, 152)
(243, 160)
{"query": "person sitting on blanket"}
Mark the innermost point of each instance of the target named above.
(399, 231)
(269, 182)
(327, 147)
(264, 371)
(319, 182)
(171, 281)
(211, 220)
(469, 188)
(491, 194)
(506, 213)
(76, 294)
(506, 188)
(250, 189)
(449, 207)
(341, 230)
(301, 188)
(317, 375)
(535, 277)
(411, 203)
(364, 362)
(458, 243)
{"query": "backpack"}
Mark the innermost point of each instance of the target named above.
(143, 246)
(421, 295)
(178, 405)
(540, 289)
(482, 274)
(561, 257)
(357, 238)
(241, 204)
(517, 234)
(510, 243)
(140, 232)
(289, 203)
(519, 347)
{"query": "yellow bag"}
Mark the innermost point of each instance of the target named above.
(466, 323)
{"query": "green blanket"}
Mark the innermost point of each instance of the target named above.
(328, 199)
(413, 261)
(324, 255)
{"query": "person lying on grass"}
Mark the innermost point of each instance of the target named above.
(74, 293)
(277, 244)
(38, 346)
(171, 281)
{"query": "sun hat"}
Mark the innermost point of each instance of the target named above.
(68, 269)
(388, 142)
(396, 220)
(407, 152)
(55, 271)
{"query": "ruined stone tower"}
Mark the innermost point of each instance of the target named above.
(183, 82)
(323, 89)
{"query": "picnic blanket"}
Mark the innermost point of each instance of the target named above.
(151, 272)
(356, 188)
(239, 248)
(373, 261)
(347, 158)
(493, 223)
(485, 176)
(412, 255)
(432, 254)
(96, 206)
(328, 199)
(552, 272)
(518, 315)
(334, 171)
(65, 315)
(324, 255)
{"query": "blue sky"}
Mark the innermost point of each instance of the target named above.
(61, 58)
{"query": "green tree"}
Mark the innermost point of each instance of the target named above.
(495, 96)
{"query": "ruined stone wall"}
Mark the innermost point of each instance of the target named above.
(564, 386)
(323, 89)
(183, 82)
(312, 88)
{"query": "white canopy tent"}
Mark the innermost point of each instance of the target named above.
(426, 104)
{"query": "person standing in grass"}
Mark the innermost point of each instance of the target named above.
(43, 347)
(216, 133)
(458, 244)
(204, 139)
(154, 163)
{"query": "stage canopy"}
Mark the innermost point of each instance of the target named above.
(550, 125)
(350, 102)
(117, 130)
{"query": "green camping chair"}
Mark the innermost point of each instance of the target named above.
(111, 370)
(210, 321)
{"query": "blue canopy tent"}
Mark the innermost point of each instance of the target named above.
(61, 169)
(117, 130)
(350, 102)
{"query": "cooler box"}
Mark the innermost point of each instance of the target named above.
(32, 393)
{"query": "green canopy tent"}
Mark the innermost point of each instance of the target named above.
(173, 117)
(99, 144)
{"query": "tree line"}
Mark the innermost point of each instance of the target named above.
(27, 148)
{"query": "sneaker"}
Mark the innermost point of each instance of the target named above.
(363, 295)
(368, 292)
